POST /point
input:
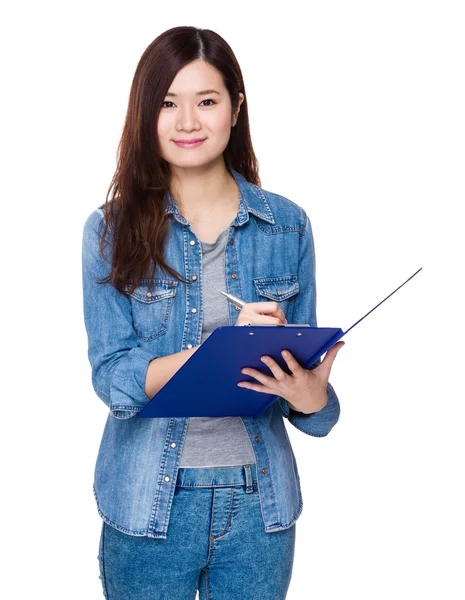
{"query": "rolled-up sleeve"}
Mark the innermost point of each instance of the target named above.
(119, 365)
(319, 423)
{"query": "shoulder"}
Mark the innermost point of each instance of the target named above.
(92, 236)
(93, 253)
(94, 220)
(94, 223)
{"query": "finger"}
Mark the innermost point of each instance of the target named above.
(266, 320)
(278, 373)
(256, 387)
(264, 307)
(291, 362)
(261, 377)
(270, 308)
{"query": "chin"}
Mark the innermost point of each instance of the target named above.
(193, 161)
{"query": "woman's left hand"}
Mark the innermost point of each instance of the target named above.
(304, 390)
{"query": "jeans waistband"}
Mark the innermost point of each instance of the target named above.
(218, 476)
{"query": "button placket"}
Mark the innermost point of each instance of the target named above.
(263, 472)
(193, 278)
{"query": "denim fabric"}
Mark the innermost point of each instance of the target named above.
(215, 543)
(269, 255)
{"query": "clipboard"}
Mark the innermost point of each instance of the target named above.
(206, 384)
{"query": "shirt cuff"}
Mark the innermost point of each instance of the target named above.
(127, 392)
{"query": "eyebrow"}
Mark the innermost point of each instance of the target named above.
(202, 93)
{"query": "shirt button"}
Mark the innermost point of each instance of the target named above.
(212, 537)
(237, 308)
(173, 445)
(264, 471)
(257, 438)
(234, 275)
(149, 294)
(279, 292)
(167, 478)
(189, 346)
(194, 310)
(194, 277)
(231, 241)
(192, 242)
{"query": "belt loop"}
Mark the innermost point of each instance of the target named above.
(248, 479)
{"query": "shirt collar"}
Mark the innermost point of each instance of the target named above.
(251, 200)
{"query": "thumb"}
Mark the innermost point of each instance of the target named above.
(336, 348)
(331, 355)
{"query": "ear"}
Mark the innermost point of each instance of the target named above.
(236, 113)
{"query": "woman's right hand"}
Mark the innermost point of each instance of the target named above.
(261, 313)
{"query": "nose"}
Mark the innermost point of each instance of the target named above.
(187, 119)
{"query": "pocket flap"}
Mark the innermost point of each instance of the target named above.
(158, 290)
(277, 288)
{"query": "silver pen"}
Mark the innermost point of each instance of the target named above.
(240, 303)
(234, 299)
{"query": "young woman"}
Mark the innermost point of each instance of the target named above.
(196, 503)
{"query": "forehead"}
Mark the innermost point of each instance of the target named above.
(197, 75)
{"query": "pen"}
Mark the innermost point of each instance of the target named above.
(234, 299)
(237, 301)
(240, 303)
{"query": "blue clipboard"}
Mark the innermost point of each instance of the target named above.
(206, 384)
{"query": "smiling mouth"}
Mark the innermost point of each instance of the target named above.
(193, 141)
(188, 144)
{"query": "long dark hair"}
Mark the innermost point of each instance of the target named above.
(134, 211)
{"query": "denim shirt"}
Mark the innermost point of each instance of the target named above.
(269, 256)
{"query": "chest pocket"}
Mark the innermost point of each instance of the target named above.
(151, 307)
(280, 289)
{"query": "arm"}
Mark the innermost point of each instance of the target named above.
(162, 369)
(124, 376)
(320, 423)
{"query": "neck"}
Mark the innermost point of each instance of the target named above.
(205, 190)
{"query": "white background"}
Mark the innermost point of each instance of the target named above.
(357, 114)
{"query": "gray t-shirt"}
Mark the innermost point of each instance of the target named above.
(215, 441)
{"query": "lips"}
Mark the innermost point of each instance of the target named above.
(193, 141)
(188, 143)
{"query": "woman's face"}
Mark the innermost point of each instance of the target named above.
(187, 115)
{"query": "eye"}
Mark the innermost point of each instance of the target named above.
(207, 100)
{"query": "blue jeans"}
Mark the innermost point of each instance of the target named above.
(215, 543)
